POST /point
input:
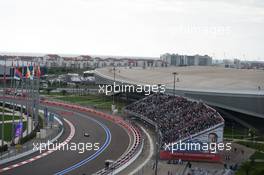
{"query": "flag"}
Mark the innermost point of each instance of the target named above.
(28, 74)
(33, 73)
(13, 68)
(17, 74)
(38, 72)
(19, 129)
(46, 112)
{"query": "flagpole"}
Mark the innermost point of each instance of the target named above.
(3, 106)
(30, 97)
(13, 103)
(26, 97)
(30, 100)
(33, 104)
(37, 107)
(21, 107)
(34, 100)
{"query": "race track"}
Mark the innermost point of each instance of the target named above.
(113, 141)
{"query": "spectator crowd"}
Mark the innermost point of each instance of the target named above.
(177, 117)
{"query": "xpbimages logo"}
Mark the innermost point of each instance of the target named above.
(117, 88)
(192, 146)
(80, 147)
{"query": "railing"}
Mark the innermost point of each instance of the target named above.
(140, 117)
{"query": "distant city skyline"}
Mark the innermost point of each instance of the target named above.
(144, 28)
(161, 57)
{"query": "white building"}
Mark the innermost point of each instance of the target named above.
(186, 60)
(84, 61)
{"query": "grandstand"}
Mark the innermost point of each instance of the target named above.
(179, 119)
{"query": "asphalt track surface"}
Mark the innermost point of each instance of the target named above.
(60, 160)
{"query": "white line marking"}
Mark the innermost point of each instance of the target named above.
(151, 152)
(72, 133)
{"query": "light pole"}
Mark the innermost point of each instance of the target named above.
(114, 69)
(174, 75)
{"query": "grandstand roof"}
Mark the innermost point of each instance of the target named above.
(202, 78)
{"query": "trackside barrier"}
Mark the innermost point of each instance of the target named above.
(205, 157)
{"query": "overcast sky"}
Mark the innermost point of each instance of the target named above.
(134, 27)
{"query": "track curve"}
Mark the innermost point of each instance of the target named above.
(72, 162)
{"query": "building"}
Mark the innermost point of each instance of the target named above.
(186, 60)
(81, 61)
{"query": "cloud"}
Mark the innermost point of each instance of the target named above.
(138, 27)
(256, 3)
